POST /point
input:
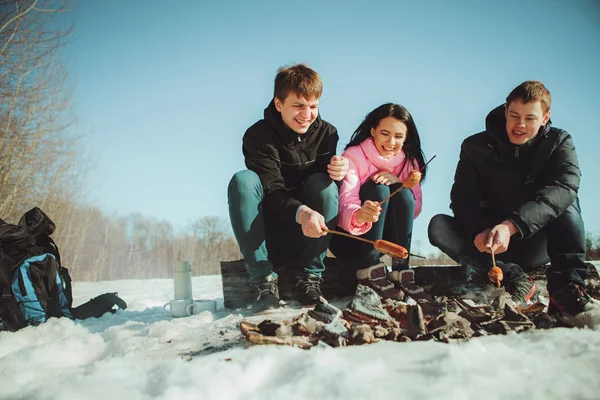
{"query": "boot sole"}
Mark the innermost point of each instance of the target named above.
(267, 311)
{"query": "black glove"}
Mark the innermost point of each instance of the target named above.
(98, 306)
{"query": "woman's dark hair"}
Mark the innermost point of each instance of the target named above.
(412, 145)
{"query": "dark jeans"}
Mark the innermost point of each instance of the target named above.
(562, 241)
(395, 224)
(263, 237)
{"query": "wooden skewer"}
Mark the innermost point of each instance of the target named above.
(365, 240)
(402, 186)
(495, 273)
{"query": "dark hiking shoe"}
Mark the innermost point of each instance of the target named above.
(376, 278)
(405, 280)
(308, 289)
(573, 306)
(267, 295)
(522, 290)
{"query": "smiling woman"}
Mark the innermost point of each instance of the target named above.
(389, 136)
(383, 152)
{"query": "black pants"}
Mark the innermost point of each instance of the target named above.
(395, 224)
(561, 241)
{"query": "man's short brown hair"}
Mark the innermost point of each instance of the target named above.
(298, 79)
(529, 91)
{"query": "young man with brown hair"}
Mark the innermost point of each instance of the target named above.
(282, 205)
(515, 193)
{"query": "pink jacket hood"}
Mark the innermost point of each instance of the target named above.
(365, 161)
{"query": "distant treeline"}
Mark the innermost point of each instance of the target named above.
(41, 162)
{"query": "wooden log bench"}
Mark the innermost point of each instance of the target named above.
(339, 280)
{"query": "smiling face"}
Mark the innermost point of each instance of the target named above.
(523, 120)
(297, 112)
(389, 136)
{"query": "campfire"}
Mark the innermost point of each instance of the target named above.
(368, 319)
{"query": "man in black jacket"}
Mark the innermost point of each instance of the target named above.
(282, 205)
(515, 196)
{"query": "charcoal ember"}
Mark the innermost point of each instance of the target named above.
(398, 310)
(325, 312)
(450, 326)
(381, 331)
(337, 328)
(533, 310)
(494, 317)
(297, 341)
(358, 318)
(473, 314)
(335, 334)
(433, 308)
(545, 321)
(415, 322)
(501, 300)
(284, 330)
(361, 334)
(503, 327)
(268, 327)
(512, 315)
(395, 333)
(246, 327)
(347, 324)
(479, 331)
(367, 302)
(304, 325)
(451, 304)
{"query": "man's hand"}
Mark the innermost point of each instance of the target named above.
(499, 237)
(337, 168)
(369, 212)
(384, 178)
(481, 241)
(313, 223)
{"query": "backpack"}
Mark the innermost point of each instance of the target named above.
(34, 286)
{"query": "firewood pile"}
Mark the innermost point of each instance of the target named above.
(368, 319)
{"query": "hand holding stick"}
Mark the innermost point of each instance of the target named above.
(383, 246)
(413, 179)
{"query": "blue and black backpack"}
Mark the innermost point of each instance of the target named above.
(33, 284)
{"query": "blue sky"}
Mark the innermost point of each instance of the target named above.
(164, 91)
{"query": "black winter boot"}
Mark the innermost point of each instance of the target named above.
(308, 289)
(267, 295)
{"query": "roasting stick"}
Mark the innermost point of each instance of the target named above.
(402, 186)
(384, 246)
(495, 273)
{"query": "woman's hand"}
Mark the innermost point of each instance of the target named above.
(384, 178)
(369, 212)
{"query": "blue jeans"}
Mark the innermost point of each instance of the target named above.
(562, 241)
(395, 224)
(264, 238)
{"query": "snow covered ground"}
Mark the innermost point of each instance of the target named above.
(144, 353)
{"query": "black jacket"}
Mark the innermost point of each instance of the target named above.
(529, 184)
(284, 159)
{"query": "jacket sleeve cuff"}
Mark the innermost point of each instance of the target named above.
(356, 228)
(298, 211)
(521, 226)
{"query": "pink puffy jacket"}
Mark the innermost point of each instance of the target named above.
(365, 161)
